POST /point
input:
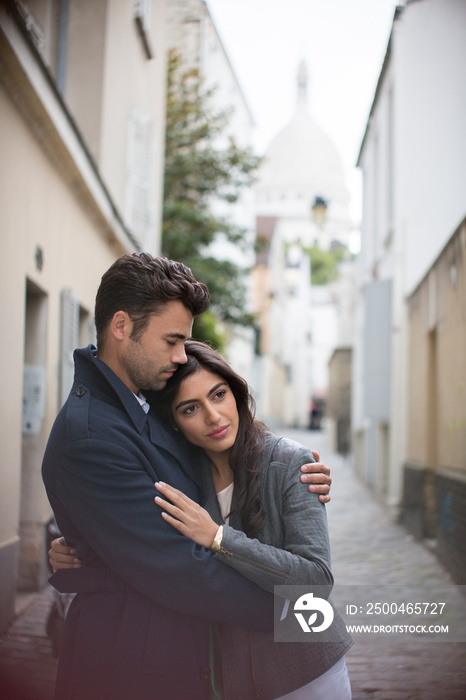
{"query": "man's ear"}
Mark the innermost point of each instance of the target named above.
(121, 325)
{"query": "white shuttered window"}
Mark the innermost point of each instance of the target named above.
(139, 205)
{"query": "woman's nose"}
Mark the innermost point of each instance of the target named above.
(213, 416)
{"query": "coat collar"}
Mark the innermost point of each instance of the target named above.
(99, 378)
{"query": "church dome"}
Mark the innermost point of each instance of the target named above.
(302, 154)
(301, 164)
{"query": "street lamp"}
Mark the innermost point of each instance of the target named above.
(319, 210)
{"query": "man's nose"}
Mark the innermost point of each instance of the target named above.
(179, 356)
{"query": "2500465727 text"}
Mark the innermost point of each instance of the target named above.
(395, 609)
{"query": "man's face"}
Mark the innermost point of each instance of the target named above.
(149, 362)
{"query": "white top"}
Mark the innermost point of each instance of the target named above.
(224, 500)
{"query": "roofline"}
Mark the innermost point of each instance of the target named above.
(398, 10)
(238, 84)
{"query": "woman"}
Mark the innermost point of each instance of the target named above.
(258, 518)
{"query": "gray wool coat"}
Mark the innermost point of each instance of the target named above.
(293, 549)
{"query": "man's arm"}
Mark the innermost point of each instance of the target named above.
(316, 474)
(103, 501)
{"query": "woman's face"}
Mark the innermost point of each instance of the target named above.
(205, 412)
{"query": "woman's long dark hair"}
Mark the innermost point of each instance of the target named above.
(249, 443)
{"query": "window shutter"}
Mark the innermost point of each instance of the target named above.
(138, 211)
(69, 341)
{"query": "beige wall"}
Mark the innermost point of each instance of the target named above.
(61, 223)
(37, 210)
(437, 387)
(107, 80)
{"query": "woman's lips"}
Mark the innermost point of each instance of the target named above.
(219, 433)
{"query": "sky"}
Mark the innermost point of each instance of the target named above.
(343, 43)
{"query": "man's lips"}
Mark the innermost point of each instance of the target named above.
(219, 432)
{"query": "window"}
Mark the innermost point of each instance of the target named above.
(140, 159)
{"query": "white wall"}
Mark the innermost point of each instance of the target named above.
(413, 158)
(430, 59)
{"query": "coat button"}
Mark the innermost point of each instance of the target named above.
(205, 672)
(80, 391)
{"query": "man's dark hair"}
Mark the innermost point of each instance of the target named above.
(142, 285)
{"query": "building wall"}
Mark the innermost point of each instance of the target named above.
(282, 297)
(42, 215)
(110, 118)
(412, 157)
(339, 401)
(436, 457)
(61, 229)
(430, 40)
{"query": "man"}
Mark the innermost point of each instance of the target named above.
(138, 627)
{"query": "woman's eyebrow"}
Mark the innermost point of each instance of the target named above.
(217, 386)
(212, 391)
(183, 403)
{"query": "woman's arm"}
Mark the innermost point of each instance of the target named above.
(303, 557)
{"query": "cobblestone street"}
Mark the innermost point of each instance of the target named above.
(27, 664)
(367, 548)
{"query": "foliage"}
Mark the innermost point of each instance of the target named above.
(198, 169)
(324, 264)
(207, 329)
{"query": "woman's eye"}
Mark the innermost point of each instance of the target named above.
(189, 409)
(220, 394)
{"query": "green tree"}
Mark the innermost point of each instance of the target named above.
(324, 264)
(197, 170)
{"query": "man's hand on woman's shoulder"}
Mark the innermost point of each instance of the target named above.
(317, 475)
